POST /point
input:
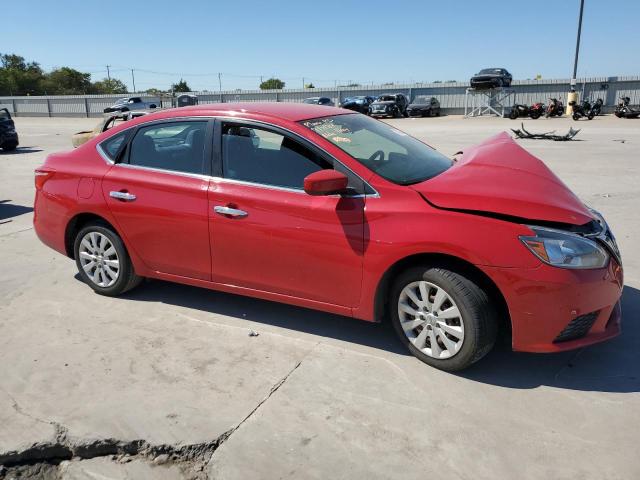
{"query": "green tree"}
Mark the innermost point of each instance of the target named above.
(309, 85)
(18, 77)
(272, 84)
(154, 91)
(66, 81)
(181, 86)
(107, 85)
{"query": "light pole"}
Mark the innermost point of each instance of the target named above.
(573, 96)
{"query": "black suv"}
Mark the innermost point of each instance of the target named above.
(394, 105)
(424, 106)
(8, 134)
(491, 78)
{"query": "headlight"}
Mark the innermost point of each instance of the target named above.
(565, 250)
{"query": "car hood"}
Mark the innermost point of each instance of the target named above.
(388, 102)
(500, 177)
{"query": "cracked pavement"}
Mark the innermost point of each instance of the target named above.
(167, 383)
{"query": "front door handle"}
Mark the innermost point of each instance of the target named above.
(232, 212)
(125, 196)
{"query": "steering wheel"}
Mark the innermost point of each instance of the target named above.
(377, 156)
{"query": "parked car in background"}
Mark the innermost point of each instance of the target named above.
(326, 101)
(449, 252)
(390, 105)
(8, 135)
(129, 103)
(424, 106)
(109, 121)
(358, 104)
(491, 78)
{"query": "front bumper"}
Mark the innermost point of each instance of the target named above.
(554, 309)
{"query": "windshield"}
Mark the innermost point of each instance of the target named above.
(422, 99)
(354, 99)
(310, 100)
(386, 98)
(488, 71)
(390, 153)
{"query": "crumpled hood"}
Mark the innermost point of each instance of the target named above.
(499, 176)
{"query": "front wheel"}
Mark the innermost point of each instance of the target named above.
(103, 261)
(513, 114)
(576, 116)
(444, 318)
(535, 114)
(590, 116)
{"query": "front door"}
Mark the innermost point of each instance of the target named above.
(158, 196)
(268, 234)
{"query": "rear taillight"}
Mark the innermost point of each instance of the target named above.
(41, 176)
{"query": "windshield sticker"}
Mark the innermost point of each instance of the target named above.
(328, 129)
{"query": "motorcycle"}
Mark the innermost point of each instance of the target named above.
(596, 108)
(624, 110)
(583, 109)
(519, 110)
(555, 108)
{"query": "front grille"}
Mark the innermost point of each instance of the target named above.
(577, 328)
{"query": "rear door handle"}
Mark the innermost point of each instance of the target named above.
(125, 196)
(232, 212)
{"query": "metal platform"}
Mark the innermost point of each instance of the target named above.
(488, 102)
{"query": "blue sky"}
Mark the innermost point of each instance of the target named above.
(324, 42)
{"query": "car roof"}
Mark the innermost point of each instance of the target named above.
(289, 111)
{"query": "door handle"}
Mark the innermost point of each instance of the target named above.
(124, 196)
(232, 212)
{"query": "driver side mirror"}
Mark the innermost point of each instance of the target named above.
(325, 182)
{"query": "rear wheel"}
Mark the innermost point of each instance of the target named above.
(103, 261)
(444, 318)
(513, 114)
(576, 116)
(534, 114)
(591, 115)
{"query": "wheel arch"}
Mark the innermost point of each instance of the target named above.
(456, 264)
(75, 225)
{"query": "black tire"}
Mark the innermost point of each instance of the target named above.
(9, 146)
(127, 278)
(513, 114)
(576, 116)
(535, 114)
(153, 105)
(477, 313)
(590, 116)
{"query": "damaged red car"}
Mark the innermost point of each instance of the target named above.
(328, 209)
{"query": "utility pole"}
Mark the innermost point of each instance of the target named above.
(133, 80)
(108, 74)
(575, 61)
(303, 83)
(220, 82)
(573, 96)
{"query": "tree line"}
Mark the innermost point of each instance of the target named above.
(19, 77)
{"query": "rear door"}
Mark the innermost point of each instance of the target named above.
(158, 196)
(268, 234)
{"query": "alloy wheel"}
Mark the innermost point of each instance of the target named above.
(99, 259)
(431, 319)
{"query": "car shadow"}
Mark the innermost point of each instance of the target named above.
(612, 366)
(21, 150)
(9, 210)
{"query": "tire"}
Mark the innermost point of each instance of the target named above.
(535, 114)
(513, 114)
(153, 105)
(576, 116)
(477, 318)
(126, 278)
(590, 116)
(9, 146)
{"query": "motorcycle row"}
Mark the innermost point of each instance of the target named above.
(584, 109)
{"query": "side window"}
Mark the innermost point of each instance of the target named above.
(175, 146)
(112, 145)
(262, 156)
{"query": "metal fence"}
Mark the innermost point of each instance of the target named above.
(450, 95)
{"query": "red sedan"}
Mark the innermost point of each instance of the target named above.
(328, 209)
